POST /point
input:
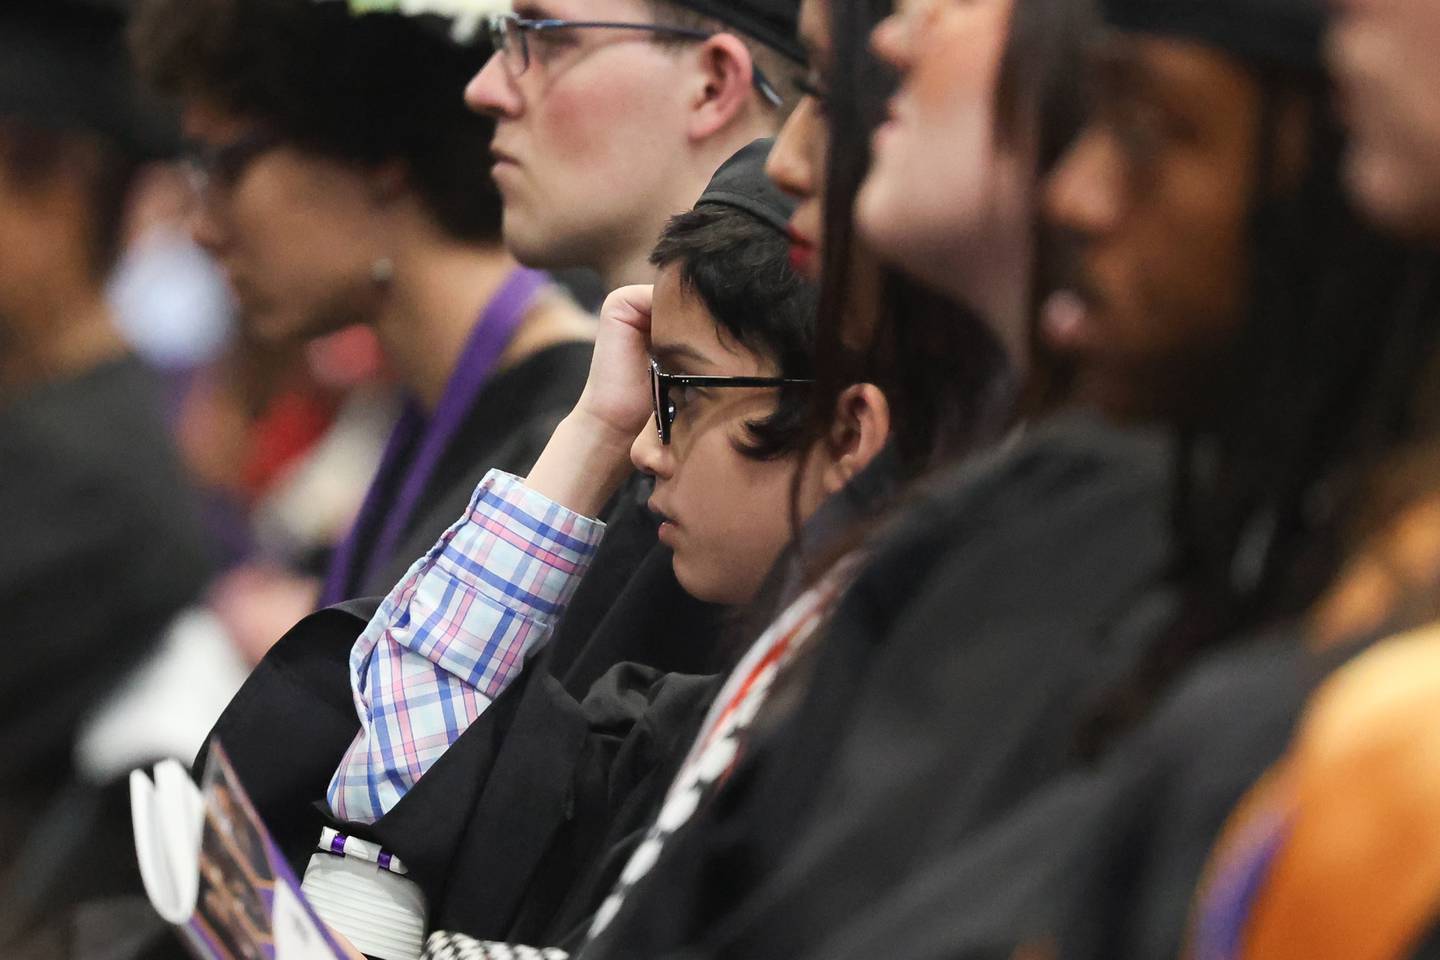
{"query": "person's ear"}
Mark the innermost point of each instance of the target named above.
(859, 432)
(724, 88)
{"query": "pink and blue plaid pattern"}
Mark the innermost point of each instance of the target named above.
(451, 635)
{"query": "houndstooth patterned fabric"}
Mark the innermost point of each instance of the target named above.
(443, 945)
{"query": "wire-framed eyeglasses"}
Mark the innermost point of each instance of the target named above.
(509, 37)
(211, 167)
(665, 409)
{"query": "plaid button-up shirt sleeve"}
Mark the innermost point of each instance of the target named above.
(453, 634)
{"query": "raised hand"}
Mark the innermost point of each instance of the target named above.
(616, 397)
(588, 455)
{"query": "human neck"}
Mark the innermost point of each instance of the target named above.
(631, 263)
(998, 286)
(1006, 301)
(67, 335)
(430, 310)
(636, 268)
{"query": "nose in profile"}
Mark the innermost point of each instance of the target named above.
(788, 165)
(492, 91)
(649, 455)
(1083, 195)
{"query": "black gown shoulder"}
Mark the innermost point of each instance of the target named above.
(506, 428)
(1103, 862)
(102, 547)
(944, 693)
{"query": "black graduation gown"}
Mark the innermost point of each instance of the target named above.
(511, 817)
(1103, 862)
(506, 428)
(992, 614)
(535, 777)
(519, 830)
(102, 546)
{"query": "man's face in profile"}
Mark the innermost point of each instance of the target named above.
(587, 128)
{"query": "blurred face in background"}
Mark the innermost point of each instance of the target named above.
(297, 235)
(48, 221)
(1386, 58)
(1155, 196)
(798, 159)
(942, 192)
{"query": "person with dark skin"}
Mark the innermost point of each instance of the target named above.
(1097, 854)
(1332, 853)
(1221, 284)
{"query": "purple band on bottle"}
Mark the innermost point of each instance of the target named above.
(337, 845)
(384, 860)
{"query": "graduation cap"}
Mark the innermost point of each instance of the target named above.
(774, 23)
(63, 65)
(1284, 32)
(741, 183)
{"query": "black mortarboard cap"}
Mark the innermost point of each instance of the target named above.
(741, 183)
(772, 22)
(63, 64)
(1284, 32)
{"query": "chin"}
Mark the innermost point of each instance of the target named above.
(534, 248)
(875, 219)
(269, 328)
(712, 588)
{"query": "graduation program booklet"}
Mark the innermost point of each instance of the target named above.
(211, 868)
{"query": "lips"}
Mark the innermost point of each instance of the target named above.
(802, 253)
(666, 531)
(501, 157)
(887, 127)
(658, 513)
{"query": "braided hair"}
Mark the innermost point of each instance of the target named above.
(1319, 390)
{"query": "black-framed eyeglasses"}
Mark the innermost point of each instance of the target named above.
(509, 36)
(661, 383)
(209, 167)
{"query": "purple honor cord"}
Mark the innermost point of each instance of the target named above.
(493, 332)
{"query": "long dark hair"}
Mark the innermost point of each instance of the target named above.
(943, 372)
(1320, 389)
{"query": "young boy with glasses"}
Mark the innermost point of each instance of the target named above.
(495, 835)
(611, 116)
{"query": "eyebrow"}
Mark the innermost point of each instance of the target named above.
(533, 11)
(676, 355)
